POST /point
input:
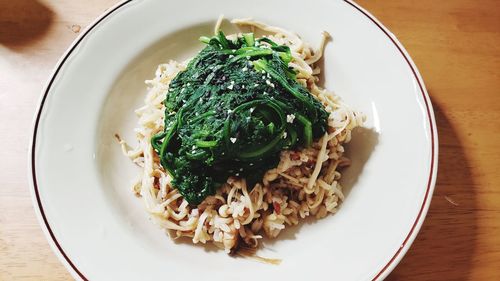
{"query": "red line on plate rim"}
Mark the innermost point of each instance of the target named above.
(431, 128)
(118, 6)
(35, 130)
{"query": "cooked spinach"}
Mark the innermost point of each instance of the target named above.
(231, 112)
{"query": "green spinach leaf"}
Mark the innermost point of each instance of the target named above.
(231, 112)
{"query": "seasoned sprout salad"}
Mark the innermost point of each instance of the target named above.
(241, 141)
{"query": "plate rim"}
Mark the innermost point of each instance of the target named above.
(382, 273)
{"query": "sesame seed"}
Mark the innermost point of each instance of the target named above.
(233, 140)
(290, 118)
(284, 135)
(230, 87)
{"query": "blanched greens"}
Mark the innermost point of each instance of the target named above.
(231, 112)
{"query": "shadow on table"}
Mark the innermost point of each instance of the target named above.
(23, 22)
(447, 239)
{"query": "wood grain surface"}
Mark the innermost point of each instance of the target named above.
(454, 43)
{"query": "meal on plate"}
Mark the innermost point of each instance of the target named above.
(240, 141)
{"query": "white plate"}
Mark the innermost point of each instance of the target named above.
(81, 182)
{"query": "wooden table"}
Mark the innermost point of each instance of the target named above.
(455, 44)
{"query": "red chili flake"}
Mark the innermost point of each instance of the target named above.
(156, 183)
(277, 207)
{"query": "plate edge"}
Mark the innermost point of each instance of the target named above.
(414, 230)
(35, 196)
